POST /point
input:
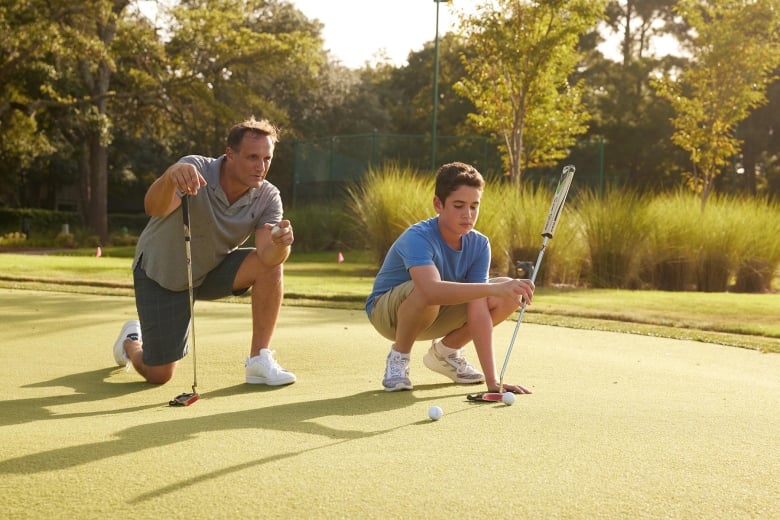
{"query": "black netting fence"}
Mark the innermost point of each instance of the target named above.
(323, 168)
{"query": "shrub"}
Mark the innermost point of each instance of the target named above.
(386, 202)
(668, 259)
(615, 228)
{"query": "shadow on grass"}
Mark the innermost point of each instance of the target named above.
(87, 387)
(289, 417)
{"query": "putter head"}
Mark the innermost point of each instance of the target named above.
(184, 399)
(485, 397)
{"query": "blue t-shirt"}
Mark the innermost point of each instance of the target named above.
(422, 244)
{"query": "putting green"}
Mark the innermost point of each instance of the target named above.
(618, 426)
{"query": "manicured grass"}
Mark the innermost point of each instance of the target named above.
(618, 426)
(319, 279)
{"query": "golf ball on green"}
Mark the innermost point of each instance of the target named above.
(508, 398)
(435, 413)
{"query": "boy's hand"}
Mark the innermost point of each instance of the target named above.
(521, 288)
(515, 389)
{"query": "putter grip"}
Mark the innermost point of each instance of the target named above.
(560, 197)
(185, 214)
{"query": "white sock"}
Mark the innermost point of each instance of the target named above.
(403, 355)
(444, 349)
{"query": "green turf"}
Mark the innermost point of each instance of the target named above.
(619, 426)
(743, 320)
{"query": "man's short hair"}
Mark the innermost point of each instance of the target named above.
(452, 176)
(260, 127)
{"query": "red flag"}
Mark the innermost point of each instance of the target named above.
(99, 252)
(341, 257)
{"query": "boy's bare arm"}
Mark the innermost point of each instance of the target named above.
(435, 291)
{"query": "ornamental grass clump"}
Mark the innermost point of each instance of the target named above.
(614, 228)
(386, 202)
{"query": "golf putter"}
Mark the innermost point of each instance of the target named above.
(187, 399)
(564, 183)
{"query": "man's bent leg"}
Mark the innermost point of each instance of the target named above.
(267, 285)
(165, 318)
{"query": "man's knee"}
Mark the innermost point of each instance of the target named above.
(159, 375)
(253, 272)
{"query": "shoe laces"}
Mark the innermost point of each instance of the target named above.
(462, 366)
(396, 367)
(271, 362)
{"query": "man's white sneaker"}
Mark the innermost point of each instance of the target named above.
(130, 330)
(264, 370)
(453, 365)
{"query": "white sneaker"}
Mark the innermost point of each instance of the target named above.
(453, 366)
(130, 330)
(396, 372)
(264, 370)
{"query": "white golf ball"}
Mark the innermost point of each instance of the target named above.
(275, 230)
(435, 413)
(508, 398)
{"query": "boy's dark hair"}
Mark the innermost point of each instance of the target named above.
(261, 127)
(453, 175)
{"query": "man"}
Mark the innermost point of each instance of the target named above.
(229, 200)
(434, 284)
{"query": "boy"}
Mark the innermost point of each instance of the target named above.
(434, 285)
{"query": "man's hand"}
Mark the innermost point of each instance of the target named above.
(281, 233)
(185, 178)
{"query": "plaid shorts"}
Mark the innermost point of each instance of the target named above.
(165, 315)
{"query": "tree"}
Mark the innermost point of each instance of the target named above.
(629, 117)
(30, 37)
(236, 58)
(735, 46)
(524, 52)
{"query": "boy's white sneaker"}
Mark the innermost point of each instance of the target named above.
(397, 372)
(453, 365)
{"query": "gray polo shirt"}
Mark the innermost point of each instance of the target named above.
(217, 228)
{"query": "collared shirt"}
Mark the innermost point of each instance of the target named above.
(216, 226)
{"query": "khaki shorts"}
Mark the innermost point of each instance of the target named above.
(384, 316)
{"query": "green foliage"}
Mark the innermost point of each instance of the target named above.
(513, 218)
(518, 77)
(615, 228)
(13, 239)
(711, 249)
(669, 260)
(616, 240)
(321, 228)
(728, 78)
(386, 202)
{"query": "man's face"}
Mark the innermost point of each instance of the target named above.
(458, 214)
(250, 163)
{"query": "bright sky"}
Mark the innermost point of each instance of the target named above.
(355, 31)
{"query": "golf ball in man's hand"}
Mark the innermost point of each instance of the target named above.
(275, 230)
(508, 398)
(435, 413)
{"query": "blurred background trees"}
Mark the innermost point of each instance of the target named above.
(96, 99)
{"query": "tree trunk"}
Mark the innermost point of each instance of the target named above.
(99, 139)
(97, 214)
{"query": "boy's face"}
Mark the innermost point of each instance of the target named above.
(458, 214)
